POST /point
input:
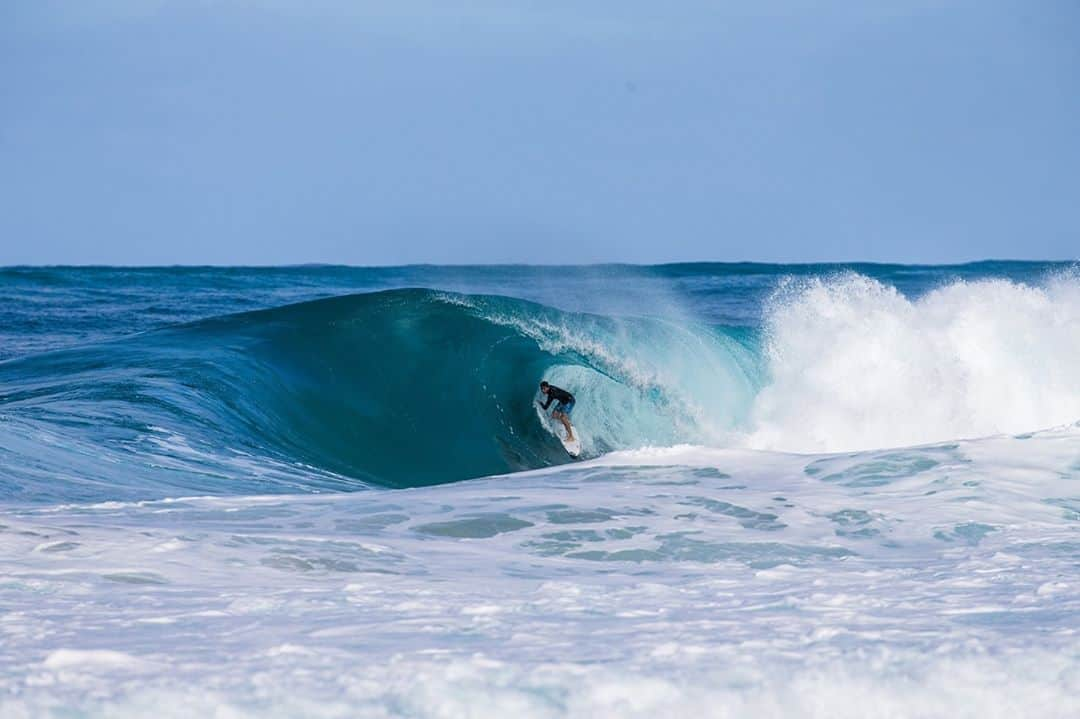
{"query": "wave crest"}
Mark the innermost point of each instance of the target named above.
(854, 364)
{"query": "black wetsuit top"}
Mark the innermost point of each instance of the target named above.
(556, 394)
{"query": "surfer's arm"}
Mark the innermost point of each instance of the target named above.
(547, 404)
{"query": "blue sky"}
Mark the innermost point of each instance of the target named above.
(245, 132)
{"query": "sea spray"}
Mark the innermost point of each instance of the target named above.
(855, 364)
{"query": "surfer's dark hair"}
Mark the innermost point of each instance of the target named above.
(544, 384)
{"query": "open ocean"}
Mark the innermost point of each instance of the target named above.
(805, 491)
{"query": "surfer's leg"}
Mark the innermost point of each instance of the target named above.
(564, 417)
(566, 423)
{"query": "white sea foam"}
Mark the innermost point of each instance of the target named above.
(854, 364)
(88, 660)
(935, 581)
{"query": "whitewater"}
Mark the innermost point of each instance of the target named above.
(806, 491)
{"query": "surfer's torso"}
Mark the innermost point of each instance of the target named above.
(558, 394)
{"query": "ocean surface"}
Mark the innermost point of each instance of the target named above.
(805, 491)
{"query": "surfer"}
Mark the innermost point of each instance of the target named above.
(562, 409)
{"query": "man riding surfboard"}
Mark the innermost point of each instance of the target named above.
(562, 409)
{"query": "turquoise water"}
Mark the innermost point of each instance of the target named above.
(371, 382)
(328, 491)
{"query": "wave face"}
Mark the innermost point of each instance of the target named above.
(399, 388)
(413, 387)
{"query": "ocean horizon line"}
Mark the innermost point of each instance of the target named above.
(512, 265)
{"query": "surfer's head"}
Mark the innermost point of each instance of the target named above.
(544, 387)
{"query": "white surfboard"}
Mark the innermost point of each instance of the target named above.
(556, 428)
(572, 448)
